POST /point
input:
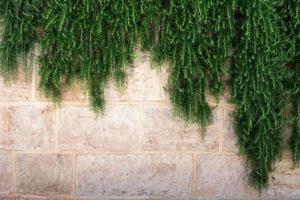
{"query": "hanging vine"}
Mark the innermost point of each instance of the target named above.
(18, 34)
(195, 38)
(290, 11)
(87, 40)
(257, 88)
(95, 40)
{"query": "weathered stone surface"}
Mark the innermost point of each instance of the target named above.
(73, 93)
(41, 197)
(134, 175)
(113, 94)
(26, 127)
(162, 131)
(285, 174)
(8, 197)
(223, 98)
(19, 90)
(230, 140)
(223, 177)
(6, 174)
(146, 83)
(287, 178)
(286, 165)
(44, 174)
(281, 192)
(116, 130)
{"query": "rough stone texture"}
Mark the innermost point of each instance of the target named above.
(288, 177)
(26, 127)
(163, 131)
(40, 197)
(223, 98)
(44, 174)
(76, 92)
(230, 142)
(112, 93)
(116, 130)
(145, 82)
(16, 91)
(164, 175)
(6, 174)
(220, 176)
(281, 192)
(286, 173)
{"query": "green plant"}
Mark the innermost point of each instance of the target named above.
(19, 22)
(295, 138)
(95, 40)
(195, 38)
(257, 88)
(290, 10)
(87, 40)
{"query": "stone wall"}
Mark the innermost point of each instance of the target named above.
(137, 150)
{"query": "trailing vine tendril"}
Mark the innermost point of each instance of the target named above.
(290, 11)
(257, 88)
(195, 38)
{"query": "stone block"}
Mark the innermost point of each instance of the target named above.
(6, 174)
(44, 174)
(134, 175)
(116, 130)
(26, 127)
(145, 83)
(19, 90)
(163, 131)
(222, 177)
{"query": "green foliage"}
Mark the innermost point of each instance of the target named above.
(19, 22)
(195, 37)
(290, 10)
(88, 40)
(295, 138)
(257, 88)
(95, 40)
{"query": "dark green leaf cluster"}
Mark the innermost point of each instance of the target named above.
(87, 40)
(19, 22)
(95, 40)
(257, 87)
(290, 11)
(295, 91)
(195, 38)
